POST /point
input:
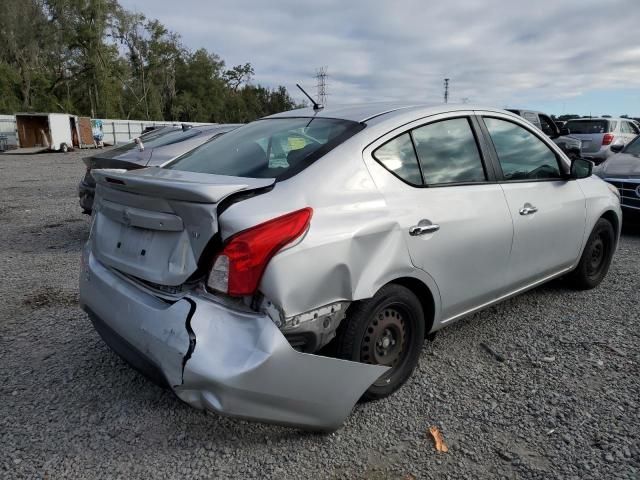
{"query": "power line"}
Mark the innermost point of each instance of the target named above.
(321, 77)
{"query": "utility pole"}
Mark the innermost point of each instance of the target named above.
(446, 90)
(321, 77)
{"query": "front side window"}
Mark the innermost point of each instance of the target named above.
(399, 157)
(448, 152)
(271, 148)
(521, 154)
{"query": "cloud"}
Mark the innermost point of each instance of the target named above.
(495, 52)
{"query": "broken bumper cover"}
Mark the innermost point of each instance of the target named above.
(216, 358)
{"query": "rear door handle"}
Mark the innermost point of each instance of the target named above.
(423, 228)
(528, 209)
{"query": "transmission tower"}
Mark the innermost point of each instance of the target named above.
(321, 77)
(446, 90)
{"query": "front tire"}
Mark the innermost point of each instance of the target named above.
(387, 329)
(596, 257)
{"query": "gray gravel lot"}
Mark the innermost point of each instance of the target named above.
(562, 403)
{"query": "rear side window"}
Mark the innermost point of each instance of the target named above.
(399, 157)
(448, 152)
(585, 127)
(521, 154)
(271, 148)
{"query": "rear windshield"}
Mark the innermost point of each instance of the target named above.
(271, 148)
(588, 126)
(161, 138)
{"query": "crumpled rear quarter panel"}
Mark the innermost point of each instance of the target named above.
(353, 247)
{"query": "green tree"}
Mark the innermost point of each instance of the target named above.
(93, 57)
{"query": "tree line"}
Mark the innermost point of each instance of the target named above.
(95, 58)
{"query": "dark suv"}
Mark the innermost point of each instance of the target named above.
(560, 135)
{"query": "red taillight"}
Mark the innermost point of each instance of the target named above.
(607, 139)
(237, 270)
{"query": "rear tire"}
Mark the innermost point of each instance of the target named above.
(387, 329)
(596, 257)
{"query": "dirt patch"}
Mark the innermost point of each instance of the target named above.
(5, 211)
(50, 297)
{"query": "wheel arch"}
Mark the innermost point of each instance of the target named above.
(424, 295)
(612, 217)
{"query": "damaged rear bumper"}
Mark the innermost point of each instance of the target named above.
(217, 358)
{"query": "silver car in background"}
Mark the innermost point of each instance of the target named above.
(623, 171)
(361, 229)
(154, 148)
(598, 135)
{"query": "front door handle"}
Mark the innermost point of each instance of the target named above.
(423, 227)
(528, 209)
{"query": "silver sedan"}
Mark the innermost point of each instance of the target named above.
(297, 264)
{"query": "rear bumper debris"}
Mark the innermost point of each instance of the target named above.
(213, 357)
(86, 194)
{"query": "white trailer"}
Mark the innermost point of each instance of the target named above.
(52, 131)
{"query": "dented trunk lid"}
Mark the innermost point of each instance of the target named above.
(154, 224)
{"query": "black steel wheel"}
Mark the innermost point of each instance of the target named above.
(596, 257)
(387, 329)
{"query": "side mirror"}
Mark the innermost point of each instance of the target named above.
(617, 148)
(564, 131)
(580, 168)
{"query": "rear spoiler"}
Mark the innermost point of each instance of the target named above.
(176, 184)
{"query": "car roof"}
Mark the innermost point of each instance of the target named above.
(367, 111)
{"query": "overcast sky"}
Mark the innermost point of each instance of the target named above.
(561, 56)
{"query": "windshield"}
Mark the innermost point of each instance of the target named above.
(588, 126)
(634, 147)
(160, 138)
(272, 148)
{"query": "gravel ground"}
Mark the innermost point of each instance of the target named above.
(558, 398)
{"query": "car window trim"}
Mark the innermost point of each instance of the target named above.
(490, 177)
(496, 161)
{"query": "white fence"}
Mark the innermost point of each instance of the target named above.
(115, 130)
(120, 131)
(8, 132)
